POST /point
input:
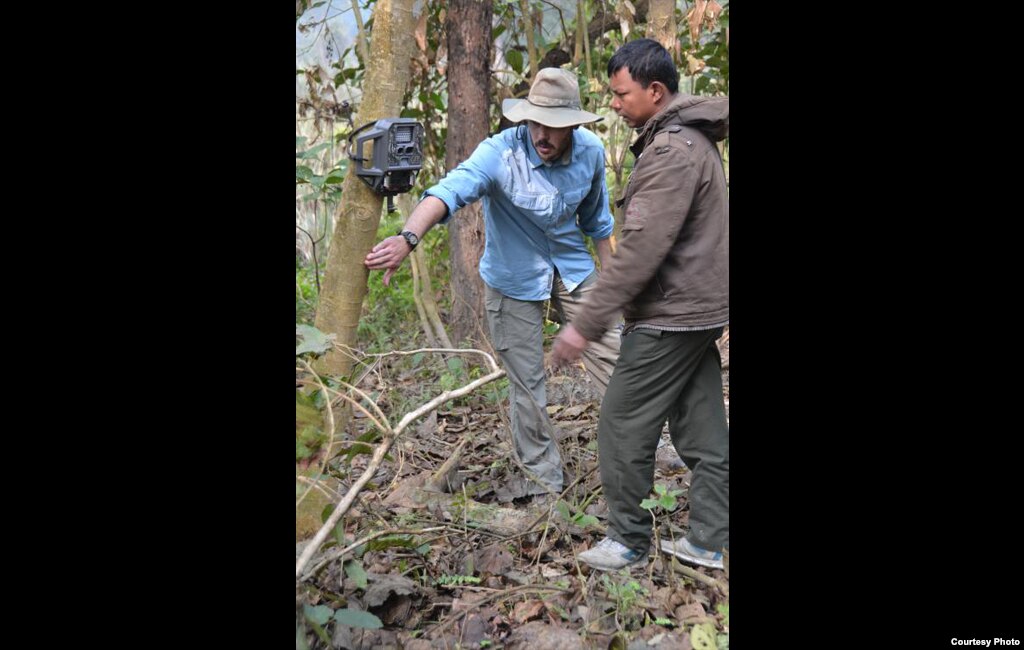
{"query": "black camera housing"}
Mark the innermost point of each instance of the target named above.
(397, 155)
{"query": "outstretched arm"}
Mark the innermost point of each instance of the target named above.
(390, 252)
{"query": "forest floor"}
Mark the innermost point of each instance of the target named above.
(511, 581)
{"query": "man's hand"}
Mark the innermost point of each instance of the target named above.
(568, 346)
(388, 254)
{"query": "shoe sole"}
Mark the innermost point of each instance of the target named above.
(667, 547)
(634, 563)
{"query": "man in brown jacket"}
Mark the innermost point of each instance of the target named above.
(670, 279)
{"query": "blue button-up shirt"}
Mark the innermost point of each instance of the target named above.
(530, 210)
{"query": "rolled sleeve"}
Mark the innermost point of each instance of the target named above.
(595, 219)
(469, 181)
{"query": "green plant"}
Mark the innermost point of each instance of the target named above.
(577, 518)
(306, 293)
(626, 596)
(666, 499)
(456, 581)
(309, 432)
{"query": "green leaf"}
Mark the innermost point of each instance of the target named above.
(373, 435)
(586, 520)
(649, 504)
(354, 570)
(355, 618)
(455, 364)
(416, 359)
(381, 543)
(515, 59)
(358, 448)
(423, 549)
(300, 140)
(325, 514)
(319, 614)
(311, 153)
(303, 172)
(660, 489)
(563, 509)
(313, 340)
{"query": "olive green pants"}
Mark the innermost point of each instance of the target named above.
(675, 376)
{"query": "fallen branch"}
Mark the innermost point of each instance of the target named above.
(390, 436)
(690, 572)
(338, 553)
(503, 594)
(440, 480)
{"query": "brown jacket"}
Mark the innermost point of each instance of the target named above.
(672, 265)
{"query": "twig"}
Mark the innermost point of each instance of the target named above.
(390, 436)
(360, 31)
(562, 494)
(316, 264)
(499, 595)
(696, 575)
(531, 48)
(338, 553)
(330, 422)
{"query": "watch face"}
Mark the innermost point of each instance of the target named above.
(411, 238)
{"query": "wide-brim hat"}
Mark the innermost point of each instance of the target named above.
(554, 101)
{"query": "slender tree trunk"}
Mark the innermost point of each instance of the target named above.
(661, 25)
(344, 287)
(469, 54)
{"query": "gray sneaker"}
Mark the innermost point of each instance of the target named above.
(609, 555)
(691, 554)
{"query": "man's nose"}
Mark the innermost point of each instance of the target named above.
(615, 104)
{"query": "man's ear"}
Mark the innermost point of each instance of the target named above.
(658, 90)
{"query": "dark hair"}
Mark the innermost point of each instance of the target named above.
(647, 61)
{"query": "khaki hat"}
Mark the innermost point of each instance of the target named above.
(554, 101)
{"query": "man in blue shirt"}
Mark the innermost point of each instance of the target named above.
(543, 189)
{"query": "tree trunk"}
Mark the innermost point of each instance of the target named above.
(344, 287)
(469, 54)
(661, 25)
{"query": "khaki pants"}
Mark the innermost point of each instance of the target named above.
(517, 331)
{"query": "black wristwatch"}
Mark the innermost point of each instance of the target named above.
(410, 238)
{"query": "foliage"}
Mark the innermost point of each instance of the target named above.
(576, 518)
(312, 340)
(457, 581)
(627, 596)
(305, 292)
(309, 431)
(665, 500)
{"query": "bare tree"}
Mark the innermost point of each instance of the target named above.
(344, 287)
(469, 46)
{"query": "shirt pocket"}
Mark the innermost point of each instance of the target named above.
(573, 198)
(533, 202)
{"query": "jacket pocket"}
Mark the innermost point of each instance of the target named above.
(636, 215)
